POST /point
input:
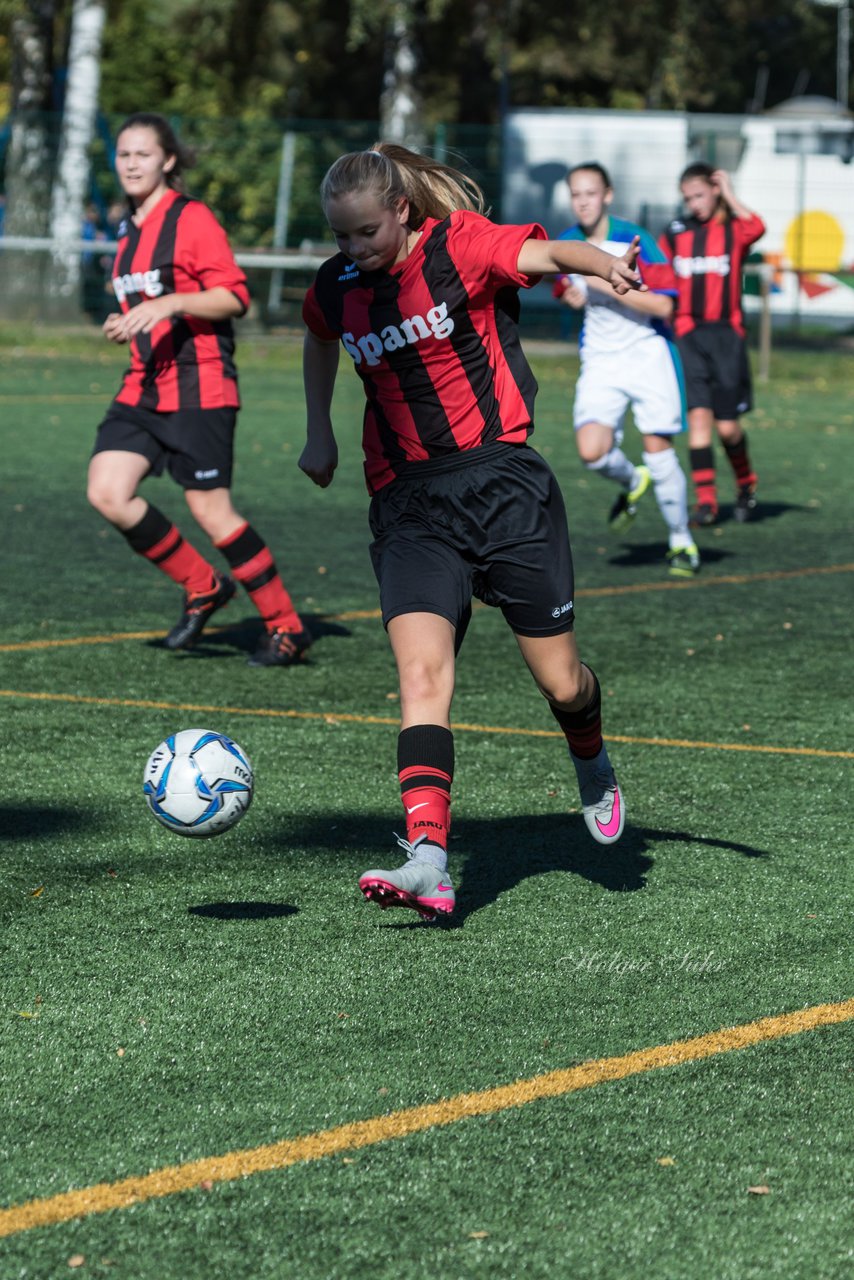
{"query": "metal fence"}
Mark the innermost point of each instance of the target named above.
(262, 179)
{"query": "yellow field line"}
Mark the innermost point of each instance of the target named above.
(354, 615)
(400, 1124)
(722, 580)
(345, 717)
(26, 645)
(335, 717)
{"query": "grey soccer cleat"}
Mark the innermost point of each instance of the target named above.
(417, 884)
(601, 798)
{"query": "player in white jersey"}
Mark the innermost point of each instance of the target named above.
(628, 359)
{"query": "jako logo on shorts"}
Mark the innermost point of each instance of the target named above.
(370, 346)
(560, 609)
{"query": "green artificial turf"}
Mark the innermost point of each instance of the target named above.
(255, 997)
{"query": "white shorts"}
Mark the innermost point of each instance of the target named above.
(647, 375)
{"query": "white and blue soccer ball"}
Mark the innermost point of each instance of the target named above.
(198, 782)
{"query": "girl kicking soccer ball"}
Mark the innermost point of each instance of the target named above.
(423, 298)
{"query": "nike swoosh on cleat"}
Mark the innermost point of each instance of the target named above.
(613, 824)
(422, 805)
(446, 888)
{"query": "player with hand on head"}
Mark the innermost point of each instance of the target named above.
(179, 288)
(707, 248)
(423, 296)
(628, 359)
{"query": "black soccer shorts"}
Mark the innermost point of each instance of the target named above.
(488, 523)
(196, 446)
(717, 371)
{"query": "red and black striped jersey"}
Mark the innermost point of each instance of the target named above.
(435, 341)
(707, 259)
(185, 362)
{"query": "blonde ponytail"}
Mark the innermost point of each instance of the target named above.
(393, 173)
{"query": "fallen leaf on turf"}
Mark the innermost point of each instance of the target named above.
(76, 1260)
(206, 1184)
(120, 1053)
(348, 1160)
(478, 1235)
(759, 1191)
(37, 893)
(666, 1161)
(22, 1013)
(342, 1015)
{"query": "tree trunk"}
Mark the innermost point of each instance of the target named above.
(28, 161)
(401, 118)
(72, 171)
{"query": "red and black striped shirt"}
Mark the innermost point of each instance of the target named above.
(435, 341)
(185, 362)
(707, 258)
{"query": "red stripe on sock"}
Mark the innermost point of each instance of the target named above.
(232, 537)
(706, 489)
(428, 813)
(251, 568)
(184, 565)
(275, 606)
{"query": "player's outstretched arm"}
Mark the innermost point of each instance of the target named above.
(565, 257)
(319, 458)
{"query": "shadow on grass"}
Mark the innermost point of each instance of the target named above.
(221, 641)
(497, 855)
(644, 554)
(32, 822)
(763, 511)
(242, 910)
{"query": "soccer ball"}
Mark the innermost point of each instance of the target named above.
(198, 783)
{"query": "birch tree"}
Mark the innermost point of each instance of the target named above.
(28, 159)
(72, 170)
(401, 110)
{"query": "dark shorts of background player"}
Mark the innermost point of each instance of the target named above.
(196, 446)
(717, 371)
(488, 523)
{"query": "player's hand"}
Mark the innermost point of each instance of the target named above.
(113, 327)
(147, 315)
(624, 276)
(574, 297)
(721, 179)
(319, 460)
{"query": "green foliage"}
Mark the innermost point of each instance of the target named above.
(234, 75)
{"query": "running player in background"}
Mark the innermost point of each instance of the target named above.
(179, 289)
(707, 249)
(423, 296)
(627, 359)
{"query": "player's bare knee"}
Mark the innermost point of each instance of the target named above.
(590, 455)
(105, 500)
(422, 680)
(566, 691)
